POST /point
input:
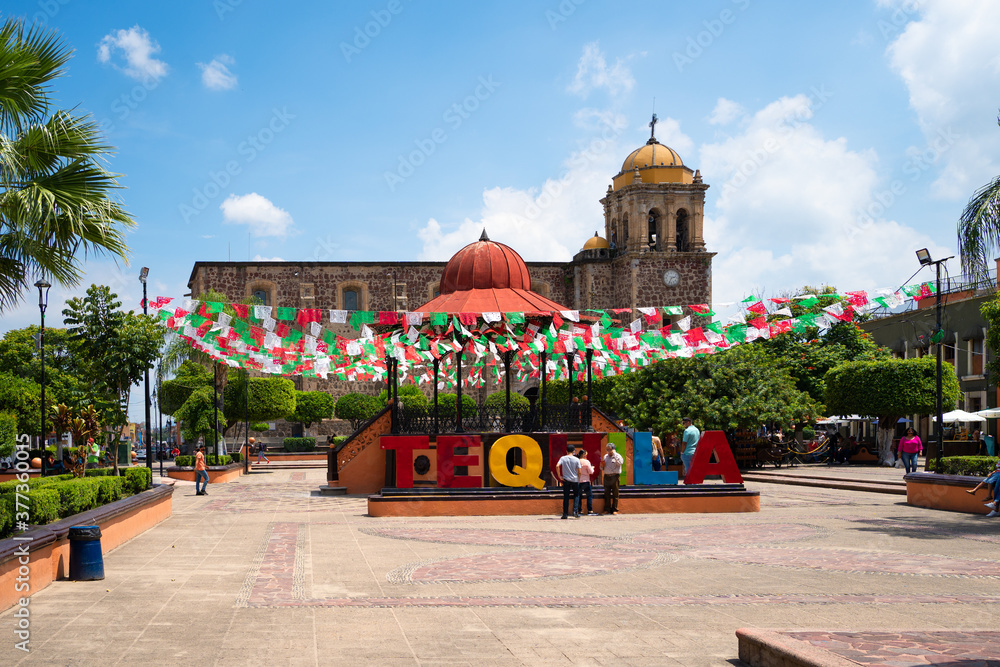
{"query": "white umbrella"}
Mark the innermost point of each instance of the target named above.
(959, 416)
(989, 413)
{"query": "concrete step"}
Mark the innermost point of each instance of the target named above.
(288, 465)
(854, 485)
(796, 475)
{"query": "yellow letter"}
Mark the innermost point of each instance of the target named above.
(529, 475)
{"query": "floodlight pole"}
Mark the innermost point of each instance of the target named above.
(149, 449)
(926, 260)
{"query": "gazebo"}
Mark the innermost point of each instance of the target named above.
(490, 277)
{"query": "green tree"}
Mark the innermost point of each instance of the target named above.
(409, 395)
(188, 378)
(312, 407)
(55, 194)
(991, 313)
(20, 356)
(356, 408)
(498, 400)
(115, 347)
(744, 386)
(889, 389)
(8, 433)
(270, 398)
(197, 416)
(22, 397)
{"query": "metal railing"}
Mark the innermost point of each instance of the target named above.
(482, 418)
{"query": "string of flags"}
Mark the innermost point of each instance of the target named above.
(297, 341)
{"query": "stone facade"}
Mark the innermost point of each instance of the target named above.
(656, 257)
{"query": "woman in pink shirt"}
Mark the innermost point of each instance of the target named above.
(586, 470)
(909, 447)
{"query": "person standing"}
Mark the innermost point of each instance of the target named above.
(658, 458)
(569, 471)
(200, 472)
(690, 437)
(611, 466)
(909, 447)
(586, 472)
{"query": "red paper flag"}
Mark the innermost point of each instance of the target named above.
(242, 310)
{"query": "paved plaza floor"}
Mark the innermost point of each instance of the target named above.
(262, 572)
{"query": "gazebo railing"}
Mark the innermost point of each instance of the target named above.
(482, 418)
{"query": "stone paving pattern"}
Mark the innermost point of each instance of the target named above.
(261, 571)
(890, 649)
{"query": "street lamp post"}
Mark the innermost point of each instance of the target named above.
(43, 302)
(145, 311)
(925, 259)
(160, 454)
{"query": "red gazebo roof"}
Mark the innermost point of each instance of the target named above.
(487, 277)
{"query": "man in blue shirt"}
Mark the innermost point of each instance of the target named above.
(690, 437)
(569, 472)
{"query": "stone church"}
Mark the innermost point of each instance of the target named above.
(652, 253)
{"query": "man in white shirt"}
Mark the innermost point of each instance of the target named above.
(568, 470)
(611, 465)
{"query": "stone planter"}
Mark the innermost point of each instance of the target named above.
(47, 547)
(945, 492)
(216, 474)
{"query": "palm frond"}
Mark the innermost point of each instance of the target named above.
(979, 231)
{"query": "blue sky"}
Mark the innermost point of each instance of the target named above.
(837, 137)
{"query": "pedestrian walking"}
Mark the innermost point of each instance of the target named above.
(909, 448)
(261, 448)
(200, 472)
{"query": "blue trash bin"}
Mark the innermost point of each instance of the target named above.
(991, 446)
(86, 561)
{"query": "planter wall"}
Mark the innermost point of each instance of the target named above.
(945, 492)
(49, 547)
(216, 474)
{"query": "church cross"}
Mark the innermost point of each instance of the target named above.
(652, 127)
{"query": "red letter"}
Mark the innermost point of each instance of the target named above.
(713, 441)
(404, 446)
(446, 461)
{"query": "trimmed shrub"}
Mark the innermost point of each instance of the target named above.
(43, 506)
(7, 505)
(972, 466)
(100, 472)
(110, 489)
(409, 395)
(356, 408)
(236, 457)
(137, 479)
(447, 406)
(498, 400)
(75, 496)
(187, 461)
(299, 444)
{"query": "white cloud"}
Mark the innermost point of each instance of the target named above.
(258, 213)
(593, 73)
(216, 74)
(547, 223)
(259, 258)
(137, 48)
(946, 55)
(790, 210)
(725, 112)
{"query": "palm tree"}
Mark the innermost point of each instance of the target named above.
(979, 230)
(55, 194)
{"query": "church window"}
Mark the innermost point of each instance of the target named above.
(683, 231)
(625, 229)
(260, 297)
(350, 299)
(653, 236)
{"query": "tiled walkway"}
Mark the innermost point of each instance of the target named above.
(261, 572)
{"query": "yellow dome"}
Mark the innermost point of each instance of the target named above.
(653, 154)
(596, 242)
(656, 163)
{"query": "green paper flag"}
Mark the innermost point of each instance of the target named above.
(938, 337)
(514, 318)
(439, 319)
(285, 314)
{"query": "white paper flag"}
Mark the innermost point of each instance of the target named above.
(338, 316)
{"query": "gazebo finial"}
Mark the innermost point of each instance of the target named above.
(484, 237)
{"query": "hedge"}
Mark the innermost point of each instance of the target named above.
(187, 461)
(972, 466)
(8, 433)
(299, 444)
(498, 400)
(52, 498)
(447, 403)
